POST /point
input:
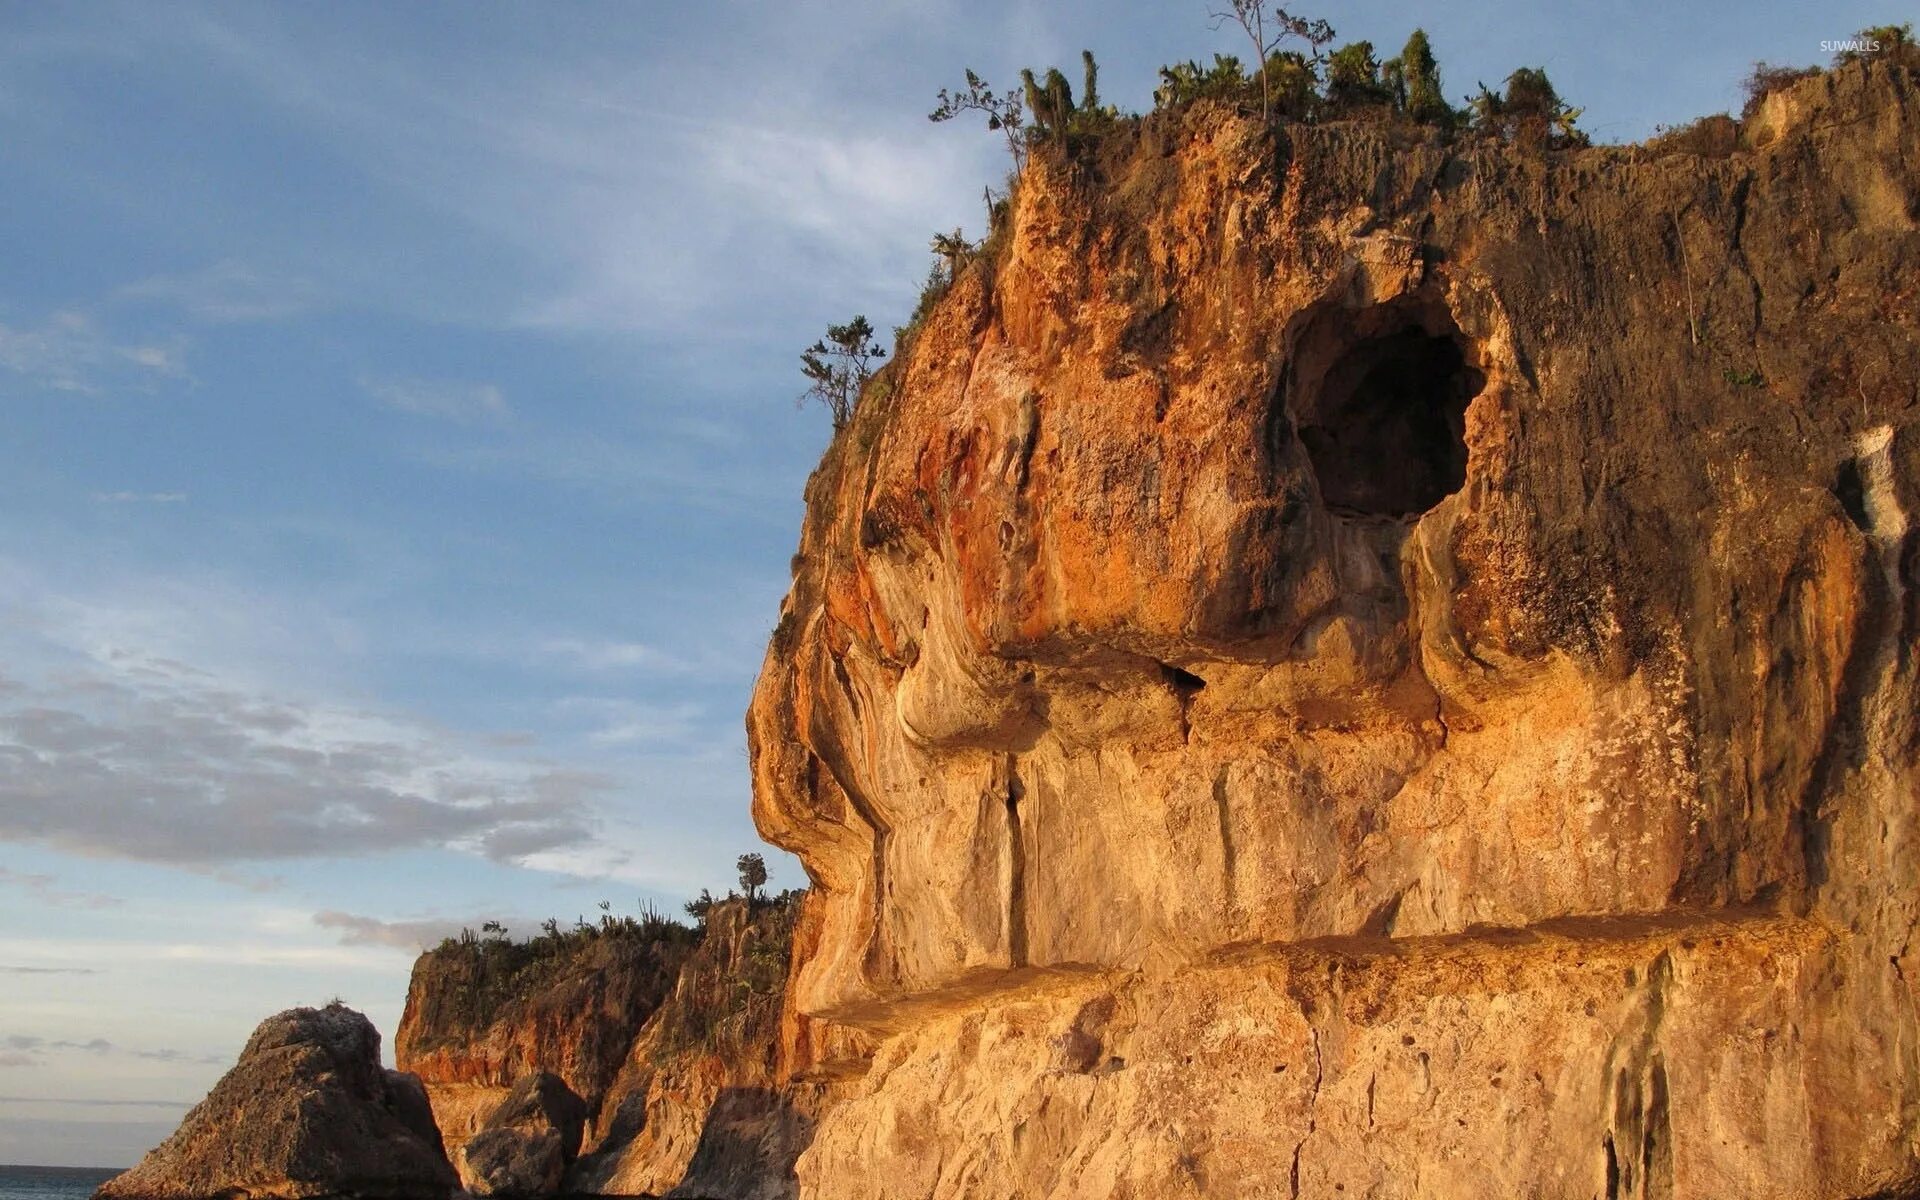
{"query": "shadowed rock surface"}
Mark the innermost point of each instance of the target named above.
(307, 1111)
(528, 1142)
(724, 1084)
(1337, 663)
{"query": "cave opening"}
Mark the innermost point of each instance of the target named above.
(1380, 406)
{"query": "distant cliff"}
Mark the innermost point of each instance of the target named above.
(1339, 661)
(482, 1014)
(695, 1077)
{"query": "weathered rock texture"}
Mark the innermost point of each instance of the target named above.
(307, 1111)
(528, 1141)
(714, 1101)
(1339, 664)
(476, 1022)
(694, 1076)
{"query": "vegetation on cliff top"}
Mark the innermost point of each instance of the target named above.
(500, 968)
(1294, 79)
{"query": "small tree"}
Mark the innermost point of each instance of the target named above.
(1267, 39)
(1417, 75)
(838, 366)
(1003, 113)
(1251, 17)
(1316, 33)
(753, 876)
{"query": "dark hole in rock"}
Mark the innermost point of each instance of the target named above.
(1183, 682)
(1851, 490)
(1380, 404)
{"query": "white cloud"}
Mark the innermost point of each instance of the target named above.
(69, 352)
(465, 403)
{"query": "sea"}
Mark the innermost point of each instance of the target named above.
(52, 1183)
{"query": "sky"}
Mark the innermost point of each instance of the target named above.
(400, 461)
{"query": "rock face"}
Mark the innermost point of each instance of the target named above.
(1337, 664)
(528, 1141)
(693, 1075)
(725, 1083)
(478, 1020)
(307, 1111)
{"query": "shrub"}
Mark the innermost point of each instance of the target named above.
(1353, 78)
(1716, 136)
(1894, 41)
(1764, 80)
(1530, 112)
(1183, 83)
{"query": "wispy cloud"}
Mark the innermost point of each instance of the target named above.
(34, 1049)
(612, 655)
(117, 746)
(465, 403)
(46, 889)
(12, 970)
(411, 936)
(70, 352)
(227, 291)
(623, 722)
(91, 1102)
(140, 497)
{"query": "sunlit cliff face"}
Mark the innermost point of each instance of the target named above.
(1184, 590)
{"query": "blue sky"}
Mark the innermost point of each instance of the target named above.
(399, 463)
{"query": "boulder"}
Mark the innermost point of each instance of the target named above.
(307, 1111)
(528, 1143)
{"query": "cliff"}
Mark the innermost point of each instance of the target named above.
(1336, 662)
(695, 1077)
(481, 1015)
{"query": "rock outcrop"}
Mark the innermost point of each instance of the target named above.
(1336, 663)
(527, 1143)
(481, 1017)
(308, 1111)
(693, 1075)
(723, 1087)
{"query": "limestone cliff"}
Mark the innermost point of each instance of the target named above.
(1341, 663)
(695, 1077)
(480, 1016)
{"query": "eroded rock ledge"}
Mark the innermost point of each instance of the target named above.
(1339, 664)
